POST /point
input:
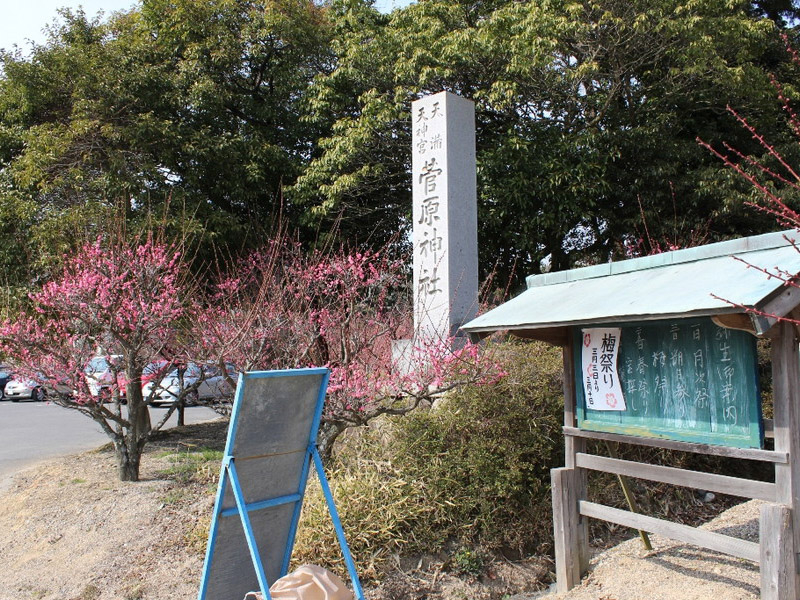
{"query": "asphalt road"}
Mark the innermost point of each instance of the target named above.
(31, 432)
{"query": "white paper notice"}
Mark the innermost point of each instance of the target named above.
(599, 368)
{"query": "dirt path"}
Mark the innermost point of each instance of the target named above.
(675, 571)
(70, 531)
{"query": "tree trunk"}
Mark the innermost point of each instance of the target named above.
(129, 450)
(327, 435)
(128, 461)
(180, 408)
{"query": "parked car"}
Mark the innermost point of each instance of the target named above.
(21, 388)
(208, 379)
(156, 371)
(5, 377)
(100, 376)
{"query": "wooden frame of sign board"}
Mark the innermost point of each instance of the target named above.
(775, 554)
(672, 288)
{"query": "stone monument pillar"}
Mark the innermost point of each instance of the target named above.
(445, 215)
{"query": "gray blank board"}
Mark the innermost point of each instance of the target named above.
(269, 435)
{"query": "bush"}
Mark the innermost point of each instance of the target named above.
(473, 474)
(474, 469)
(382, 513)
(485, 453)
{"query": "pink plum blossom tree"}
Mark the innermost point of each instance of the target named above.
(112, 297)
(775, 181)
(344, 310)
(278, 308)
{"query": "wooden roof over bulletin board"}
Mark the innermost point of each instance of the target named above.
(685, 359)
(702, 281)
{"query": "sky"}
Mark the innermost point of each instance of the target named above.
(22, 20)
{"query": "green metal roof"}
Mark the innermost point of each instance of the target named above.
(706, 280)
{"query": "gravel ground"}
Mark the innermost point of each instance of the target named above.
(70, 530)
(673, 571)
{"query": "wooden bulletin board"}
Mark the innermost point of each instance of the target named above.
(684, 379)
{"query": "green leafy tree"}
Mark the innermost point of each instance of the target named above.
(183, 109)
(241, 70)
(225, 116)
(586, 112)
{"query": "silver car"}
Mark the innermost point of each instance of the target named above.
(24, 389)
(200, 382)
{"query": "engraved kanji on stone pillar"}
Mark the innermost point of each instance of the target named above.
(445, 214)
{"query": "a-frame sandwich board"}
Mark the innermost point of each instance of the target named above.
(272, 440)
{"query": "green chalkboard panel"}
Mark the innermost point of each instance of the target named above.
(683, 379)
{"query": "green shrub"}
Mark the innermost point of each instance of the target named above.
(468, 561)
(473, 473)
(383, 514)
(474, 469)
(486, 452)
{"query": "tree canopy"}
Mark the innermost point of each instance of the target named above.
(225, 117)
(587, 114)
(195, 104)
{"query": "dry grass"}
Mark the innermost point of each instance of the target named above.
(381, 511)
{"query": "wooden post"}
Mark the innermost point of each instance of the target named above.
(577, 544)
(571, 445)
(566, 528)
(785, 382)
(777, 553)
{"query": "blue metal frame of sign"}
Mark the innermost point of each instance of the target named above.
(230, 477)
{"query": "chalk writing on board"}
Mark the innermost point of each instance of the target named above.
(601, 381)
(684, 379)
